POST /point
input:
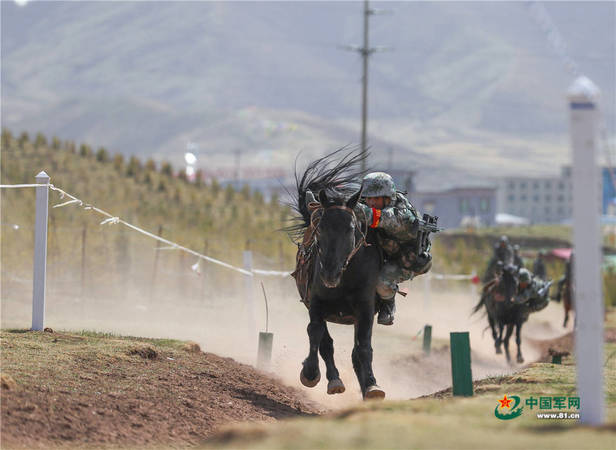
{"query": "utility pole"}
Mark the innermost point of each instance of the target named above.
(365, 51)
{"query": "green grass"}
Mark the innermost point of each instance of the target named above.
(220, 222)
(444, 423)
(563, 232)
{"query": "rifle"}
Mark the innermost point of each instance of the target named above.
(425, 226)
(545, 289)
(428, 224)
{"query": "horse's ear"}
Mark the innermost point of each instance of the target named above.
(351, 202)
(323, 198)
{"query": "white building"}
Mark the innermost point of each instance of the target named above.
(539, 199)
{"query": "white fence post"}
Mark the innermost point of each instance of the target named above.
(40, 252)
(248, 290)
(583, 95)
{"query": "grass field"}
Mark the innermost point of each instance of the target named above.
(161, 392)
(445, 423)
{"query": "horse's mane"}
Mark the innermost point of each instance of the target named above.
(338, 173)
(500, 286)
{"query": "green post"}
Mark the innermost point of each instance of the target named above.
(556, 359)
(264, 353)
(427, 339)
(461, 364)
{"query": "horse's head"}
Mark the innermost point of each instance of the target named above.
(508, 284)
(336, 237)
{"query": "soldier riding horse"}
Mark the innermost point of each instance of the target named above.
(509, 299)
(339, 264)
(337, 274)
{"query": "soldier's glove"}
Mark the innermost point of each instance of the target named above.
(414, 228)
(423, 263)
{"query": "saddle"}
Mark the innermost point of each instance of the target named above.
(304, 259)
(488, 289)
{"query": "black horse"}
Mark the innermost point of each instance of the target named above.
(497, 297)
(341, 286)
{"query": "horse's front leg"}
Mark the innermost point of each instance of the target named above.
(518, 341)
(363, 349)
(492, 327)
(499, 339)
(310, 374)
(506, 341)
(326, 349)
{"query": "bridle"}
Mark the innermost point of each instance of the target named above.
(315, 219)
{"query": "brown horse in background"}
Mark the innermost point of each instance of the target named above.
(568, 303)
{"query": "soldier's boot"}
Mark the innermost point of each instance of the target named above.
(386, 311)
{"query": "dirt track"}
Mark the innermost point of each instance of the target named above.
(129, 394)
(164, 400)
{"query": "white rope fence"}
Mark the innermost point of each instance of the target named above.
(455, 277)
(40, 250)
(111, 219)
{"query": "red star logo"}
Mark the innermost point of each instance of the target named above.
(505, 402)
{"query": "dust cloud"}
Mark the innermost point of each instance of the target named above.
(224, 312)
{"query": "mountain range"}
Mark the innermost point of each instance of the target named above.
(461, 89)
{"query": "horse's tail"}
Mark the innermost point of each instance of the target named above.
(338, 173)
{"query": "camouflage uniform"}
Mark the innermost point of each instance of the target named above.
(539, 266)
(503, 253)
(396, 227)
(517, 259)
(530, 294)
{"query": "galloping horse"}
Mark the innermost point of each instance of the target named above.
(344, 264)
(497, 298)
(567, 296)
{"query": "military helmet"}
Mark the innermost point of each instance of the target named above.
(524, 276)
(504, 239)
(378, 184)
(516, 248)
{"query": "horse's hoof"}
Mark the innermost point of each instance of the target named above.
(335, 386)
(520, 360)
(498, 351)
(309, 383)
(374, 392)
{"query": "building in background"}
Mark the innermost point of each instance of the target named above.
(608, 177)
(549, 199)
(459, 206)
(538, 199)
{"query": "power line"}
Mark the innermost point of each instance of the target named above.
(365, 51)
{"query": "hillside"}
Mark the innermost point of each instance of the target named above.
(220, 222)
(271, 79)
